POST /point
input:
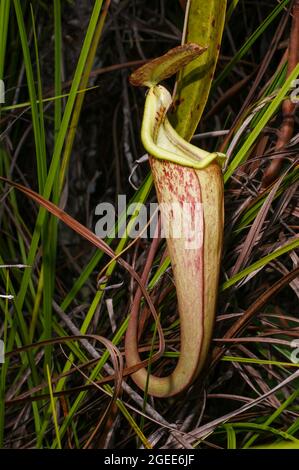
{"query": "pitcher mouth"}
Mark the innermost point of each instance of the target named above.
(161, 140)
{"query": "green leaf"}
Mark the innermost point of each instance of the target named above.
(250, 41)
(290, 245)
(231, 8)
(205, 26)
(242, 153)
(4, 19)
(231, 436)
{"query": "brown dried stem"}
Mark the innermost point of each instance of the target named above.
(288, 107)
